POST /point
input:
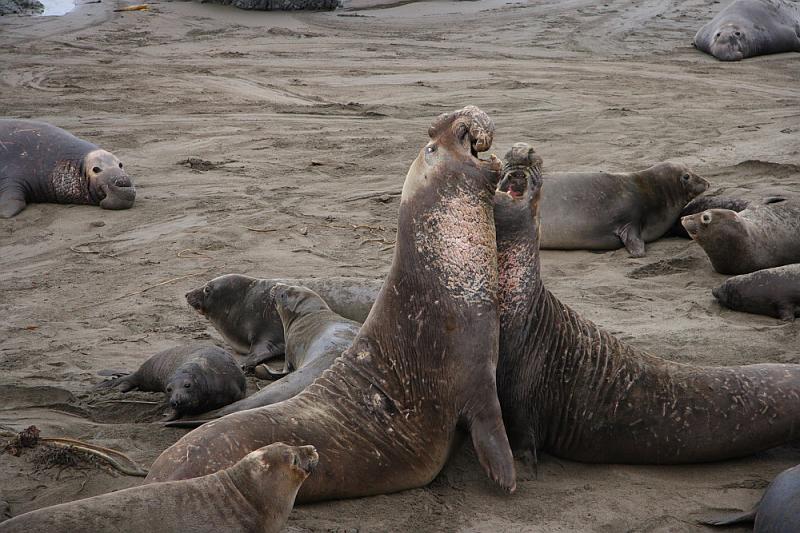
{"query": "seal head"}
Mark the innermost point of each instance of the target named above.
(108, 180)
(730, 43)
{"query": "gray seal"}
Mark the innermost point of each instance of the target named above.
(748, 28)
(605, 211)
(772, 291)
(254, 495)
(196, 378)
(242, 309)
(761, 236)
(42, 163)
(704, 203)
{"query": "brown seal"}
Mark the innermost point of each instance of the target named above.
(771, 291)
(254, 495)
(42, 163)
(196, 378)
(761, 236)
(386, 415)
(569, 388)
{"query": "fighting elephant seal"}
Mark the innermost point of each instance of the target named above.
(748, 28)
(42, 163)
(604, 211)
(254, 495)
(196, 378)
(386, 415)
(772, 292)
(242, 309)
(761, 236)
(573, 390)
(777, 512)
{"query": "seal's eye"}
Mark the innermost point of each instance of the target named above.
(737, 33)
(705, 218)
(120, 165)
(430, 148)
(187, 385)
(97, 170)
(685, 177)
(169, 388)
(206, 289)
(718, 34)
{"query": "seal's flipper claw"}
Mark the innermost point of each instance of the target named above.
(263, 371)
(492, 448)
(632, 239)
(260, 356)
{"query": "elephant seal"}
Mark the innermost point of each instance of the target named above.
(242, 309)
(704, 203)
(772, 292)
(748, 28)
(196, 378)
(575, 391)
(254, 495)
(42, 163)
(777, 512)
(761, 236)
(604, 211)
(315, 337)
(386, 415)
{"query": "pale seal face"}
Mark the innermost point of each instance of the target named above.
(301, 460)
(108, 180)
(703, 225)
(729, 43)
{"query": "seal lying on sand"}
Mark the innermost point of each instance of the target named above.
(761, 236)
(197, 378)
(604, 211)
(748, 28)
(386, 415)
(254, 495)
(575, 391)
(42, 163)
(772, 292)
(242, 309)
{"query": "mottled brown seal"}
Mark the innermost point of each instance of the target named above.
(42, 163)
(569, 388)
(761, 236)
(254, 495)
(771, 291)
(386, 415)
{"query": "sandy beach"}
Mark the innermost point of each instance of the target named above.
(276, 144)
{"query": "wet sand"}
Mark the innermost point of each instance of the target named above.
(310, 121)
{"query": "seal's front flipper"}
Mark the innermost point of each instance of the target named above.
(632, 239)
(12, 201)
(491, 445)
(264, 371)
(728, 519)
(787, 312)
(261, 353)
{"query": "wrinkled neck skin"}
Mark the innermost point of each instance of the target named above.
(68, 184)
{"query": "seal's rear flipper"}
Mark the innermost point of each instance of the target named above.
(491, 445)
(632, 239)
(262, 353)
(12, 201)
(727, 519)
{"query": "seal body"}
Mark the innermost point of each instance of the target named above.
(242, 309)
(42, 163)
(761, 236)
(385, 416)
(704, 203)
(772, 292)
(748, 28)
(573, 390)
(605, 211)
(196, 378)
(254, 495)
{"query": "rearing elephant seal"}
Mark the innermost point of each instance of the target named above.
(254, 495)
(42, 163)
(604, 211)
(569, 388)
(242, 309)
(771, 291)
(748, 28)
(761, 236)
(386, 414)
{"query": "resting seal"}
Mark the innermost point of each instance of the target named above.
(777, 512)
(604, 211)
(42, 163)
(748, 28)
(577, 392)
(704, 203)
(242, 309)
(196, 378)
(386, 414)
(761, 236)
(772, 292)
(254, 495)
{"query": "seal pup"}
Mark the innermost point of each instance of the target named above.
(605, 211)
(386, 415)
(777, 512)
(242, 309)
(573, 390)
(196, 378)
(761, 236)
(45, 164)
(748, 28)
(773, 292)
(254, 495)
